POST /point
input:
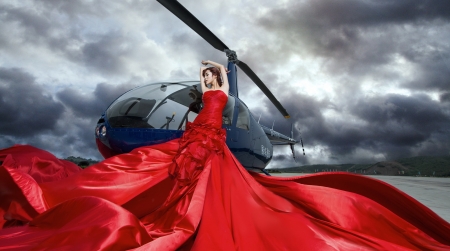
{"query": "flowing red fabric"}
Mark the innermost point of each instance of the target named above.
(192, 194)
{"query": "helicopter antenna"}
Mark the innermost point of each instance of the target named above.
(293, 152)
(292, 145)
(301, 140)
(302, 146)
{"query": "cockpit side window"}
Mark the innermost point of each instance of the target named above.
(136, 107)
(130, 112)
(228, 111)
(243, 120)
(178, 108)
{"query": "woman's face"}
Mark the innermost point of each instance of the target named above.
(208, 77)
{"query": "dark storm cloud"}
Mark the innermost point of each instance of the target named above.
(25, 107)
(357, 41)
(92, 105)
(434, 73)
(83, 113)
(445, 97)
(395, 126)
(397, 121)
(349, 12)
(281, 158)
(313, 18)
(357, 37)
(418, 111)
(31, 116)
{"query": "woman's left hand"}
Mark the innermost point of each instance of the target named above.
(204, 62)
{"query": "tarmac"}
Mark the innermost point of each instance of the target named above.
(433, 192)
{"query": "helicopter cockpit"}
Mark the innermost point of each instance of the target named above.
(162, 106)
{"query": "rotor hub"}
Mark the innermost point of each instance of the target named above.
(232, 57)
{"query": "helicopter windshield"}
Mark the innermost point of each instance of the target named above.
(159, 105)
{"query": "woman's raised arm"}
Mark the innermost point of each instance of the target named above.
(223, 71)
(202, 80)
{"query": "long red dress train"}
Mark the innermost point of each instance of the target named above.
(192, 194)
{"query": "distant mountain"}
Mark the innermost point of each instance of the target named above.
(81, 162)
(415, 166)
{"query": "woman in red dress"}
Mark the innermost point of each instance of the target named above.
(192, 194)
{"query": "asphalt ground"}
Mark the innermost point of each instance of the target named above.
(433, 192)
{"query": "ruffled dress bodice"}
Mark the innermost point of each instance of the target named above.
(202, 137)
(211, 114)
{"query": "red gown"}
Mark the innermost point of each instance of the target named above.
(192, 194)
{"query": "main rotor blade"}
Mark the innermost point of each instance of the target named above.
(182, 13)
(244, 67)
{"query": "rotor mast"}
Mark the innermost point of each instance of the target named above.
(232, 74)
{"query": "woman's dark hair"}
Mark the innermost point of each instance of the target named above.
(215, 72)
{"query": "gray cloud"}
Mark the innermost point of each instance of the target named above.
(434, 70)
(106, 54)
(92, 105)
(26, 108)
(36, 27)
(30, 114)
(359, 48)
(358, 37)
(357, 41)
(34, 24)
(393, 125)
(417, 111)
(445, 97)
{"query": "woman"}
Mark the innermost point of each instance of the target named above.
(215, 76)
(192, 194)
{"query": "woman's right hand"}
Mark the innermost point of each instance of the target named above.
(204, 62)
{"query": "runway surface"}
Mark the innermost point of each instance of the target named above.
(431, 191)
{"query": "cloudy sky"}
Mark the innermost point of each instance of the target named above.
(364, 80)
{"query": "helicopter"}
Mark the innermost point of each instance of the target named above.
(158, 112)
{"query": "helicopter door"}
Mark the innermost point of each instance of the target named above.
(242, 136)
(242, 123)
(236, 120)
(228, 118)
